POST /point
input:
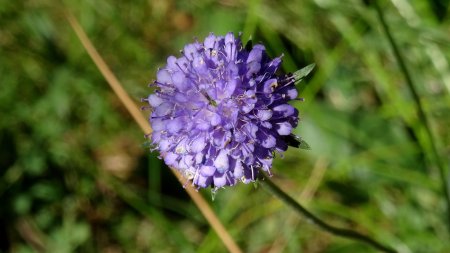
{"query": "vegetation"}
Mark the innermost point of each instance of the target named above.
(76, 174)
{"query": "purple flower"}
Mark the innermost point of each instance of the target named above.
(221, 112)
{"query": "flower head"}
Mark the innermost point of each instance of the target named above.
(221, 111)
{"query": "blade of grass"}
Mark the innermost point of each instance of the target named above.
(201, 203)
(314, 180)
(140, 205)
(421, 112)
(154, 178)
(252, 19)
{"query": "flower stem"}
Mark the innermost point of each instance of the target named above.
(346, 233)
(421, 112)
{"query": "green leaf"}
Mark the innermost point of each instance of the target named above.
(299, 74)
(304, 145)
(296, 141)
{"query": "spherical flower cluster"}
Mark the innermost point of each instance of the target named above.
(220, 111)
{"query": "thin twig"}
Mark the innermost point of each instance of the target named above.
(341, 232)
(201, 203)
(422, 115)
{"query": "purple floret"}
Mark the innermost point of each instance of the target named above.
(221, 112)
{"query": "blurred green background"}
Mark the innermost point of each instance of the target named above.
(76, 174)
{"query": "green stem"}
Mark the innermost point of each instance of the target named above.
(346, 233)
(422, 115)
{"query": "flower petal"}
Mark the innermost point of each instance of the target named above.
(221, 162)
(269, 141)
(154, 100)
(207, 171)
(264, 115)
(284, 128)
(284, 110)
(210, 41)
(179, 80)
(203, 181)
(198, 144)
(238, 170)
(170, 158)
(174, 125)
(220, 179)
(163, 76)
